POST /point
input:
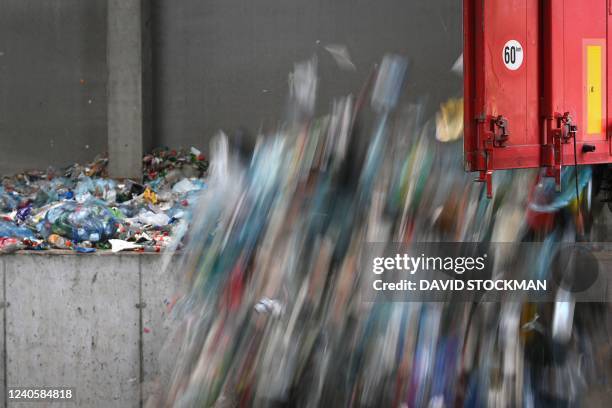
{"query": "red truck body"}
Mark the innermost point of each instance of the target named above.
(535, 84)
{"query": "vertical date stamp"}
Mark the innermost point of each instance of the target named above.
(41, 394)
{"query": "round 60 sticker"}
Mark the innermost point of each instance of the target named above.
(512, 55)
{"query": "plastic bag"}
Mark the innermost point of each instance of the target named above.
(186, 185)
(101, 188)
(151, 218)
(10, 229)
(10, 245)
(92, 221)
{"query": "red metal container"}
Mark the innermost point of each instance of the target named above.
(535, 84)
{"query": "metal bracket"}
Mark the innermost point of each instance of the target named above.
(565, 131)
(495, 132)
(486, 176)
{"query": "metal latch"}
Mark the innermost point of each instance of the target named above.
(565, 131)
(568, 129)
(500, 131)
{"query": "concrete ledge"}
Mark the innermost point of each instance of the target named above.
(73, 253)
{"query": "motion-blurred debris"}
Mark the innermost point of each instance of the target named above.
(275, 313)
(341, 55)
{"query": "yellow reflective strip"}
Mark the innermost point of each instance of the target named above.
(594, 101)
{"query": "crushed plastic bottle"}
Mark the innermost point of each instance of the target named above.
(59, 242)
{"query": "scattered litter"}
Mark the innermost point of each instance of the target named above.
(341, 56)
(118, 245)
(457, 67)
(84, 250)
(449, 120)
(269, 306)
(150, 196)
(12, 230)
(59, 242)
(151, 218)
(78, 208)
(184, 186)
(10, 245)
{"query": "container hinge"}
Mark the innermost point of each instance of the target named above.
(496, 134)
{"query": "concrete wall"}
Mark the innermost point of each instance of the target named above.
(217, 64)
(220, 64)
(94, 322)
(52, 82)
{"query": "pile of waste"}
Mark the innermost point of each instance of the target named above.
(275, 310)
(79, 208)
